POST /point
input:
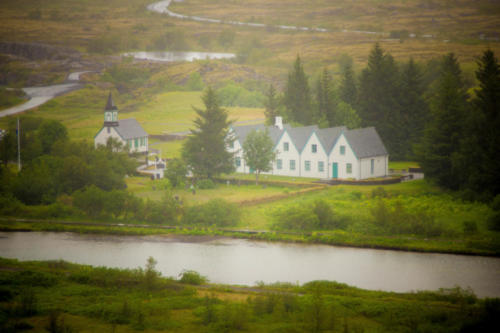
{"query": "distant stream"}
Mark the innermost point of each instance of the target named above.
(244, 262)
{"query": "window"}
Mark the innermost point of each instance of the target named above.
(136, 142)
(348, 168)
(279, 164)
(115, 116)
(130, 144)
(314, 148)
(307, 165)
(342, 150)
(285, 146)
(372, 166)
(237, 161)
(292, 164)
(321, 166)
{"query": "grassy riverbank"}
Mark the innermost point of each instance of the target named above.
(74, 298)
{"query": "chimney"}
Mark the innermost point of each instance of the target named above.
(278, 122)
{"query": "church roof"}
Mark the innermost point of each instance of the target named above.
(110, 105)
(130, 129)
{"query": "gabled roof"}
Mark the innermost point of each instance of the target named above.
(130, 129)
(110, 105)
(300, 135)
(365, 142)
(329, 136)
(242, 132)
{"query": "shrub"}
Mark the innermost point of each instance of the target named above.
(315, 216)
(176, 172)
(192, 277)
(215, 212)
(470, 227)
(167, 210)
(379, 192)
(206, 184)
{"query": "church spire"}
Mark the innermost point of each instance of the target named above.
(110, 113)
(110, 105)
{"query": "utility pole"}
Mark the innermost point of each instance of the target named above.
(18, 146)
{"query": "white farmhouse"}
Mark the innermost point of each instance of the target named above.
(327, 153)
(127, 131)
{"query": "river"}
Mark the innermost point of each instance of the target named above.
(244, 262)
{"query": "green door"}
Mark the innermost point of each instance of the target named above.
(335, 170)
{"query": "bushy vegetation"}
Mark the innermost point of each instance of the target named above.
(72, 298)
(216, 212)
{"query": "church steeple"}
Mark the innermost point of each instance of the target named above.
(110, 113)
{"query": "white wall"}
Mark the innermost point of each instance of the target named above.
(342, 160)
(286, 156)
(308, 155)
(380, 167)
(102, 137)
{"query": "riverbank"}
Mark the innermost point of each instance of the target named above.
(36, 295)
(338, 237)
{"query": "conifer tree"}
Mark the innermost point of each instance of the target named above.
(205, 149)
(297, 97)
(325, 99)
(478, 162)
(271, 104)
(347, 89)
(414, 108)
(443, 132)
(378, 99)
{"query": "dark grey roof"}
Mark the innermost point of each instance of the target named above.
(242, 132)
(110, 105)
(130, 128)
(300, 135)
(328, 136)
(365, 142)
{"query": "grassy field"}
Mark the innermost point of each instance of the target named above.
(69, 297)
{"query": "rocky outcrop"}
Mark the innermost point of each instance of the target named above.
(38, 51)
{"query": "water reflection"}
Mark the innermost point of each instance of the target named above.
(178, 56)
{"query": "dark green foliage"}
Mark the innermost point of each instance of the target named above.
(258, 152)
(272, 104)
(127, 77)
(57, 324)
(216, 212)
(49, 132)
(414, 108)
(316, 216)
(166, 211)
(477, 161)
(195, 82)
(297, 97)
(205, 149)
(8, 147)
(205, 184)
(151, 274)
(192, 277)
(378, 103)
(348, 90)
(325, 99)
(398, 220)
(444, 131)
(470, 227)
(176, 172)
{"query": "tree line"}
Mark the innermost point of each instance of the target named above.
(424, 112)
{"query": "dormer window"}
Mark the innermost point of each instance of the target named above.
(285, 146)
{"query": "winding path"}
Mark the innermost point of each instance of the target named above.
(40, 95)
(162, 8)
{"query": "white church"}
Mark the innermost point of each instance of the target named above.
(326, 153)
(127, 131)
